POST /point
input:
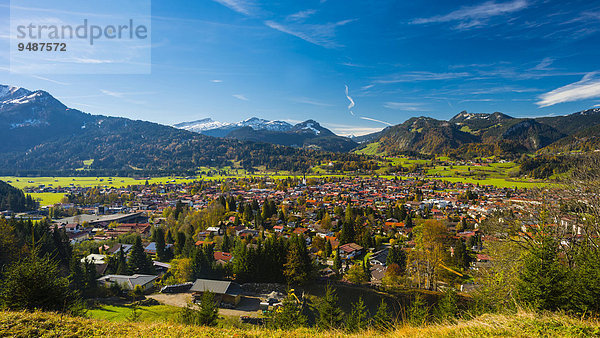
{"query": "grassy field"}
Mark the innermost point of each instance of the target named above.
(38, 324)
(370, 149)
(155, 313)
(47, 198)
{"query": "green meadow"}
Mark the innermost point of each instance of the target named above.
(113, 313)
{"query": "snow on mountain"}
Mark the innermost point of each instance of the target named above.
(255, 123)
(9, 92)
(262, 124)
(310, 126)
(199, 126)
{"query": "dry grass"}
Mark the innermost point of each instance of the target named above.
(38, 324)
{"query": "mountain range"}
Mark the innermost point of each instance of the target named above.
(480, 134)
(307, 134)
(39, 134)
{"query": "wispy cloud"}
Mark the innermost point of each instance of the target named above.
(407, 106)
(50, 80)
(301, 15)
(111, 93)
(474, 16)
(241, 6)
(240, 97)
(544, 64)
(419, 76)
(375, 120)
(216, 81)
(123, 94)
(587, 88)
(312, 102)
(91, 61)
(318, 34)
(348, 130)
(351, 105)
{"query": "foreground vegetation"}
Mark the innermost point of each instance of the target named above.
(522, 324)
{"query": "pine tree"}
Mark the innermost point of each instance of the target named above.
(139, 261)
(337, 262)
(122, 268)
(297, 268)
(209, 312)
(76, 277)
(159, 240)
(328, 248)
(226, 243)
(543, 280)
(288, 316)
(446, 308)
(347, 235)
(330, 315)
(358, 319)
(418, 311)
(35, 283)
(382, 319)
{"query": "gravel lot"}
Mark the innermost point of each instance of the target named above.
(248, 306)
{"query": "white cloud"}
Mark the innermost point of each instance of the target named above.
(301, 15)
(407, 106)
(375, 120)
(240, 97)
(318, 34)
(216, 81)
(111, 93)
(351, 105)
(348, 130)
(419, 76)
(311, 102)
(587, 88)
(50, 80)
(473, 16)
(123, 94)
(241, 6)
(544, 64)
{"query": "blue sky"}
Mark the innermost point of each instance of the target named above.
(292, 60)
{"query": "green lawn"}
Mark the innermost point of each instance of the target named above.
(47, 198)
(497, 182)
(155, 313)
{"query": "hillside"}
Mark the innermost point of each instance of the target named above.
(14, 199)
(425, 135)
(22, 324)
(477, 134)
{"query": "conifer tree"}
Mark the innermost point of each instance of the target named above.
(358, 319)
(330, 315)
(139, 261)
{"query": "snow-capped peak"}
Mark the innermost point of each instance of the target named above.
(253, 122)
(10, 92)
(262, 124)
(201, 125)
